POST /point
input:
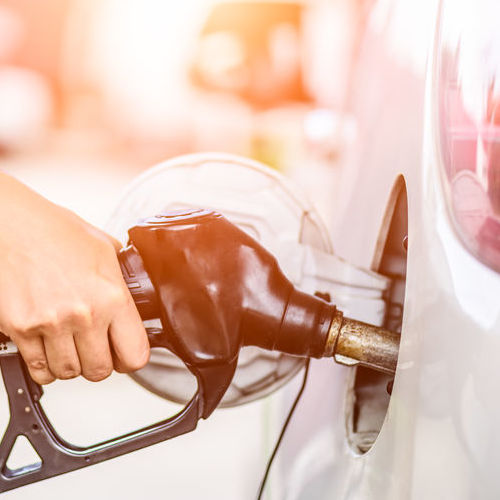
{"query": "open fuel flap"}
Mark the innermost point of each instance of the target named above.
(368, 390)
(269, 208)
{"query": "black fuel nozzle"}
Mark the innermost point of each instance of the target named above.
(216, 289)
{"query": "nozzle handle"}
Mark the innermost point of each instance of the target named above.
(28, 418)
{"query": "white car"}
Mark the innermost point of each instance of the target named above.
(425, 164)
(419, 203)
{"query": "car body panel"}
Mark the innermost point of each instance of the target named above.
(440, 438)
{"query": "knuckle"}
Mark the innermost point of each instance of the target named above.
(116, 293)
(136, 363)
(68, 371)
(98, 373)
(17, 327)
(39, 371)
(37, 364)
(49, 320)
(80, 314)
(43, 322)
(36, 322)
(21, 326)
(116, 296)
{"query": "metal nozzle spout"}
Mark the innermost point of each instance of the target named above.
(352, 342)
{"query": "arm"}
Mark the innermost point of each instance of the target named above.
(63, 300)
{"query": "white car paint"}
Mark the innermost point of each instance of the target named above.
(440, 438)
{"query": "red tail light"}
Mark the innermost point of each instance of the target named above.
(469, 123)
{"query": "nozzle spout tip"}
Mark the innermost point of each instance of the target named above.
(352, 342)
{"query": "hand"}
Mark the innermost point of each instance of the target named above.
(63, 300)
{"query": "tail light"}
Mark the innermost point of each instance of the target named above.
(469, 122)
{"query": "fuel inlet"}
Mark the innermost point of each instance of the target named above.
(352, 342)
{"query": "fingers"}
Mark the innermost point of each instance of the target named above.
(65, 356)
(128, 337)
(94, 353)
(64, 351)
(61, 355)
(33, 353)
(75, 348)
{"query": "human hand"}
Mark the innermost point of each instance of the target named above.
(63, 300)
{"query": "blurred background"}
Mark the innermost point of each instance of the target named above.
(120, 85)
(92, 92)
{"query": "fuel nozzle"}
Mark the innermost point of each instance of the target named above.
(215, 289)
(353, 342)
